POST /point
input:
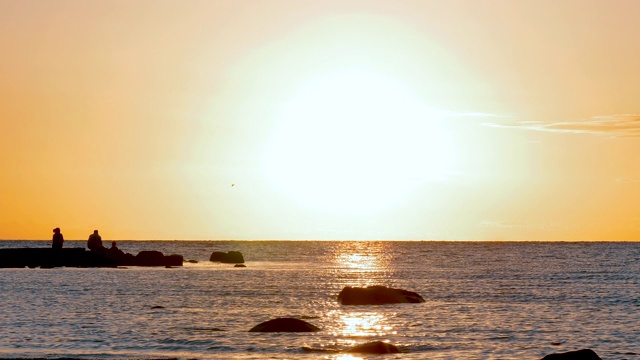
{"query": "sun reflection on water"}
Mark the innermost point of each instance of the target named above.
(359, 261)
(348, 357)
(361, 255)
(363, 263)
(368, 323)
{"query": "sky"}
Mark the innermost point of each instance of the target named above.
(328, 120)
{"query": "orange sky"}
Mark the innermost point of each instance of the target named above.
(478, 120)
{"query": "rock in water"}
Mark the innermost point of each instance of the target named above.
(377, 295)
(228, 257)
(374, 347)
(150, 258)
(584, 354)
(285, 325)
(234, 257)
(153, 258)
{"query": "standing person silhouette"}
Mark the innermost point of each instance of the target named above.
(57, 240)
(95, 242)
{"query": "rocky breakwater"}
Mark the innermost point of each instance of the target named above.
(80, 257)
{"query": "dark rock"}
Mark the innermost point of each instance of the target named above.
(377, 295)
(128, 259)
(192, 261)
(285, 325)
(150, 258)
(153, 258)
(217, 256)
(239, 265)
(228, 257)
(234, 257)
(173, 260)
(584, 354)
(374, 347)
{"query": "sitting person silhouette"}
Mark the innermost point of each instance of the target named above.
(114, 253)
(95, 242)
(57, 240)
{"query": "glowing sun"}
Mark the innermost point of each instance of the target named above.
(355, 142)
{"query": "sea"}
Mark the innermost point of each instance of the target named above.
(484, 300)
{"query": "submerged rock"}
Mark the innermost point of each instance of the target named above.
(375, 347)
(584, 354)
(285, 325)
(377, 295)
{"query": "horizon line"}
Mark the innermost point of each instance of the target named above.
(347, 240)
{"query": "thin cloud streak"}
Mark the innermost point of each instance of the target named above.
(617, 126)
(520, 225)
(474, 115)
(628, 180)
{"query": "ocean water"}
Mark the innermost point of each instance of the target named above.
(483, 301)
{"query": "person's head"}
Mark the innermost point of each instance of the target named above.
(56, 230)
(113, 244)
(95, 231)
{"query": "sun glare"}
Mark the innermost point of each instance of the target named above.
(363, 324)
(354, 142)
(347, 357)
(359, 261)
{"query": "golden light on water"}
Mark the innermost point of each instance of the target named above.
(363, 324)
(359, 261)
(364, 257)
(347, 357)
(361, 255)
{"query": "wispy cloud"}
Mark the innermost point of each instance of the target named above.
(520, 225)
(476, 115)
(502, 224)
(620, 125)
(628, 180)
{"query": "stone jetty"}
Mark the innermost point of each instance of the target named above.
(80, 257)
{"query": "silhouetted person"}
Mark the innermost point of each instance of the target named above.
(95, 242)
(114, 253)
(57, 240)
